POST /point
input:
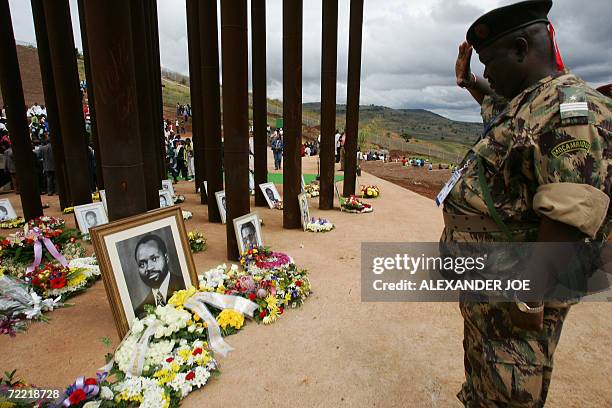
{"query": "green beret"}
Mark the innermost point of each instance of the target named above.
(505, 20)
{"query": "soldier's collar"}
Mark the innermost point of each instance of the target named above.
(517, 102)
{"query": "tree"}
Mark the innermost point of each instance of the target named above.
(406, 137)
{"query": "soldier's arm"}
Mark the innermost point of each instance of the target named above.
(477, 87)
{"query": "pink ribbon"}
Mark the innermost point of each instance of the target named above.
(39, 237)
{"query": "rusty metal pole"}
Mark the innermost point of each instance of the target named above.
(144, 94)
(55, 132)
(90, 98)
(352, 97)
(260, 108)
(114, 82)
(12, 95)
(157, 104)
(66, 79)
(292, 111)
(210, 103)
(195, 85)
(234, 51)
(329, 64)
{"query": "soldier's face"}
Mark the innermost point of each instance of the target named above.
(152, 264)
(502, 68)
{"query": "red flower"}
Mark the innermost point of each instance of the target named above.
(77, 396)
(281, 310)
(190, 376)
(298, 283)
(91, 381)
(197, 351)
(263, 314)
(252, 296)
(169, 360)
(5, 242)
(36, 281)
(57, 283)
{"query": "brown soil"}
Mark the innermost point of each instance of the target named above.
(418, 179)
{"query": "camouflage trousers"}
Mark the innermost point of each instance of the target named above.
(506, 366)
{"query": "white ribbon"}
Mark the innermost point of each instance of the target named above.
(197, 304)
(137, 362)
(39, 305)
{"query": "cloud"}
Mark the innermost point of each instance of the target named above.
(409, 48)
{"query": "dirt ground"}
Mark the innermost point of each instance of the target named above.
(335, 351)
(418, 179)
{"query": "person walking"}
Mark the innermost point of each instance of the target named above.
(277, 150)
(46, 153)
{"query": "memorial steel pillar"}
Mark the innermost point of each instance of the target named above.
(328, 102)
(69, 104)
(260, 103)
(12, 95)
(55, 131)
(292, 111)
(114, 81)
(210, 103)
(352, 97)
(234, 51)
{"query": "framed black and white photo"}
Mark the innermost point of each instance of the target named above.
(270, 193)
(165, 198)
(103, 199)
(220, 197)
(304, 211)
(167, 185)
(144, 259)
(248, 232)
(90, 215)
(7, 212)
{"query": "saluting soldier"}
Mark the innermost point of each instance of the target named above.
(541, 171)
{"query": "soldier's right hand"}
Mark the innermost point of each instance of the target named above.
(463, 72)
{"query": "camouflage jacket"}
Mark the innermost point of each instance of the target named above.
(545, 152)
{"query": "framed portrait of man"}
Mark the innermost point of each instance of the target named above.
(103, 199)
(248, 231)
(304, 211)
(270, 193)
(167, 185)
(7, 212)
(144, 259)
(220, 197)
(165, 198)
(90, 215)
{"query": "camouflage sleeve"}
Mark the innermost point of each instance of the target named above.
(491, 106)
(571, 163)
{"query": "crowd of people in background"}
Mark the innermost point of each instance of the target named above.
(179, 152)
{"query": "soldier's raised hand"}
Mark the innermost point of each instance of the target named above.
(463, 72)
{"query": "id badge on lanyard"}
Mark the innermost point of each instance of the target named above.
(448, 187)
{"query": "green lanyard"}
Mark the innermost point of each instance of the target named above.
(486, 192)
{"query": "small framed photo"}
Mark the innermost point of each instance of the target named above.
(270, 193)
(167, 185)
(165, 198)
(143, 259)
(103, 199)
(7, 212)
(248, 231)
(304, 212)
(89, 216)
(220, 197)
(338, 196)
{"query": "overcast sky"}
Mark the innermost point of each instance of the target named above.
(409, 47)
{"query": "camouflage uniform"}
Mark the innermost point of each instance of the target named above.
(542, 154)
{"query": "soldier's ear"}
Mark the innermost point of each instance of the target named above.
(521, 48)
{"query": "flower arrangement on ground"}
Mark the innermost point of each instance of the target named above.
(178, 199)
(319, 225)
(370, 191)
(278, 205)
(14, 223)
(352, 204)
(19, 246)
(187, 215)
(272, 290)
(197, 241)
(68, 210)
(312, 189)
(262, 258)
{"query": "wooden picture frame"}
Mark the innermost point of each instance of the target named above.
(117, 249)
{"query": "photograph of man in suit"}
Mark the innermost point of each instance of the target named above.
(152, 260)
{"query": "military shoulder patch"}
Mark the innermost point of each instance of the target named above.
(570, 146)
(573, 103)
